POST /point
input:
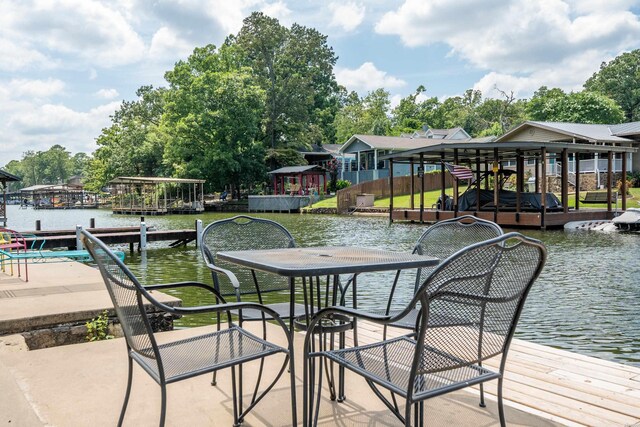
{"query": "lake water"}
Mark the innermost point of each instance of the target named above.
(586, 300)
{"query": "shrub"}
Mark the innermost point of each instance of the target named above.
(342, 183)
(634, 179)
(98, 328)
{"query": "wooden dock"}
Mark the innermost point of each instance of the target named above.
(562, 386)
(111, 236)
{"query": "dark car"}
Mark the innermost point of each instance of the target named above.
(506, 198)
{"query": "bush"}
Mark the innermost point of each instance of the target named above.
(634, 179)
(342, 183)
(98, 328)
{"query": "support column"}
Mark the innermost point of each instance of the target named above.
(577, 202)
(543, 186)
(478, 189)
(496, 188)
(442, 182)
(519, 179)
(455, 184)
(609, 178)
(390, 190)
(412, 183)
(422, 189)
(623, 186)
(564, 190)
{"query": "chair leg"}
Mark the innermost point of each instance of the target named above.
(163, 408)
(127, 393)
(500, 407)
(407, 414)
(482, 404)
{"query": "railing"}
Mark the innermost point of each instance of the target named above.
(586, 166)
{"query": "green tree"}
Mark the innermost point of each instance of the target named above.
(410, 114)
(368, 115)
(212, 115)
(619, 79)
(460, 111)
(134, 143)
(58, 165)
(578, 107)
(294, 67)
(496, 116)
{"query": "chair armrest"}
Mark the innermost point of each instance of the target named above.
(184, 285)
(232, 277)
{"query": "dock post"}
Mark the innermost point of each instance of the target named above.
(38, 225)
(92, 223)
(78, 241)
(143, 236)
(198, 233)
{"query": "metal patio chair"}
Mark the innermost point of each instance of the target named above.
(442, 240)
(185, 358)
(486, 283)
(247, 233)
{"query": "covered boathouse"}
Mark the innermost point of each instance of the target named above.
(146, 195)
(493, 157)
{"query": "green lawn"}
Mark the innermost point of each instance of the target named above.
(431, 197)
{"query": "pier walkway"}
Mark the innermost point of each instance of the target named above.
(83, 384)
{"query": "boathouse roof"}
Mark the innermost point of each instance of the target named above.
(8, 177)
(297, 169)
(154, 180)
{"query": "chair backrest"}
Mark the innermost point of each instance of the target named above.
(484, 286)
(444, 238)
(244, 233)
(127, 295)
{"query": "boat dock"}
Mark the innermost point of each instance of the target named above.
(111, 236)
(543, 386)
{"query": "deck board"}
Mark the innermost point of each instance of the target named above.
(565, 387)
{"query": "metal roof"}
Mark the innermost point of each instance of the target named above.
(589, 132)
(154, 180)
(297, 169)
(6, 176)
(390, 142)
(468, 151)
(51, 187)
(624, 129)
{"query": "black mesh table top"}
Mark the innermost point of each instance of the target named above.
(328, 260)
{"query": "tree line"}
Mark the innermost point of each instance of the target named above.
(231, 113)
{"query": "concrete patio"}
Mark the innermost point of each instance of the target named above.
(84, 384)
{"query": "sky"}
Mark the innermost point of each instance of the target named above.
(66, 65)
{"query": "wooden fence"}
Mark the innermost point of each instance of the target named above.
(346, 197)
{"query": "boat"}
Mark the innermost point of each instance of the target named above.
(507, 199)
(628, 221)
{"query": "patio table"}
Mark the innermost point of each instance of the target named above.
(309, 263)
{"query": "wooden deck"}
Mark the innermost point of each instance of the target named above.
(508, 219)
(559, 385)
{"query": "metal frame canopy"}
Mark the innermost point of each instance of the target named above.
(157, 195)
(4, 178)
(477, 153)
(470, 151)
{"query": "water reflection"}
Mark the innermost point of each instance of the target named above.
(587, 299)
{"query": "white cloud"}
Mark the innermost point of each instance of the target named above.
(107, 93)
(520, 39)
(166, 43)
(38, 127)
(25, 88)
(347, 16)
(16, 56)
(367, 77)
(278, 10)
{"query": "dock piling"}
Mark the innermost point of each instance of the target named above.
(92, 223)
(78, 241)
(198, 233)
(143, 236)
(38, 225)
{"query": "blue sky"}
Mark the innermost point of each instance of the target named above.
(66, 65)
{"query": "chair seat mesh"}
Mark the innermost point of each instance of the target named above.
(435, 319)
(205, 353)
(388, 363)
(282, 308)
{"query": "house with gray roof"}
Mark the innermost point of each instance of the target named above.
(624, 134)
(368, 148)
